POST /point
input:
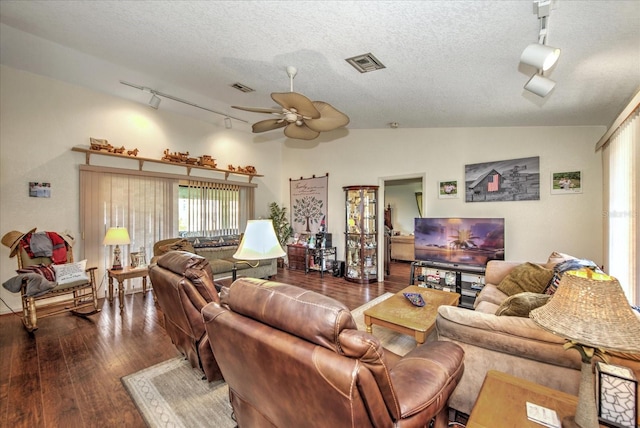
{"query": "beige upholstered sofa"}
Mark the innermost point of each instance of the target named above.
(510, 344)
(402, 248)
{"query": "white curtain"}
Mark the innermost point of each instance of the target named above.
(621, 177)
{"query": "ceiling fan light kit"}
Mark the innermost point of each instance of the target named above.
(301, 118)
(539, 55)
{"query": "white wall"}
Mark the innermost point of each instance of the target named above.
(566, 223)
(42, 119)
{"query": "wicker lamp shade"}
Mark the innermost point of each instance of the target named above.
(591, 309)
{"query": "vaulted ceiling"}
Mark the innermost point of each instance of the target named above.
(448, 63)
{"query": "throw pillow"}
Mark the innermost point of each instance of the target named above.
(181, 245)
(71, 272)
(519, 305)
(44, 270)
(526, 277)
(556, 257)
(562, 267)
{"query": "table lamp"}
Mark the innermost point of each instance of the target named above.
(116, 236)
(590, 310)
(259, 242)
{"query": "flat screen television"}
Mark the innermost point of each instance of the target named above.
(459, 241)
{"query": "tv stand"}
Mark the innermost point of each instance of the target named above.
(466, 280)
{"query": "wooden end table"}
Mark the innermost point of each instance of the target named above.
(398, 314)
(123, 274)
(503, 397)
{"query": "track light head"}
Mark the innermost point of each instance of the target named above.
(542, 57)
(227, 122)
(540, 85)
(154, 102)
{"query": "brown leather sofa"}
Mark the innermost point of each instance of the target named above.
(183, 285)
(295, 358)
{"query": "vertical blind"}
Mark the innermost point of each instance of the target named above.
(621, 176)
(150, 205)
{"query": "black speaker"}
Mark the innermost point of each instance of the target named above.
(338, 268)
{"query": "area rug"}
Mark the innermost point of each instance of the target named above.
(172, 394)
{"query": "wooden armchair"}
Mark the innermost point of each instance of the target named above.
(74, 296)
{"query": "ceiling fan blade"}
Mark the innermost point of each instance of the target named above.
(268, 125)
(259, 110)
(300, 132)
(302, 104)
(330, 118)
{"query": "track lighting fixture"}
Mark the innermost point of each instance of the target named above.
(540, 85)
(227, 122)
(155, 101)
(539, 55)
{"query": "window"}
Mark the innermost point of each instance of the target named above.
(154, 206)
(208, 209)
(621, 175)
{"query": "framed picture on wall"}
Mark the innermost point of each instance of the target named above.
(448, 189)
(567, 182)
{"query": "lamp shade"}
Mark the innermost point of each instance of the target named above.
(540, 85)
(116, 236)
(540, 56)
(259, 242)
(591, 309)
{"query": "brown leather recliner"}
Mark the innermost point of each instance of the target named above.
(295, 358)
(183, 285)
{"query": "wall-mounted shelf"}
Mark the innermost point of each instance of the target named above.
(141, 161)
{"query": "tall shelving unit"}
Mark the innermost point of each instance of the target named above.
(361, 237)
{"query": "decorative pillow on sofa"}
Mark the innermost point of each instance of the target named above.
(556, 257)
(526, 277)
(562, 267)
(519, 305)
(71, 272)
(44, 270)
(181, 245)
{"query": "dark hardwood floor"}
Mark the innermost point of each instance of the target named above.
(68, 372)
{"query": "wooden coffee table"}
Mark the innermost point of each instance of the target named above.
(398, 314)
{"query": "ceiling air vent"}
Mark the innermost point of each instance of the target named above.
(365, 63)
(241, 87)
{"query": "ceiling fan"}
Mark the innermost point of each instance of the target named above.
(300, 117)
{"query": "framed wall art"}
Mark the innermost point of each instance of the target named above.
(508, 180)
(39, 190)
(309, 204)
(567, 182)
(448, 189)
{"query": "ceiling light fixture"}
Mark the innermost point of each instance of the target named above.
(155, 100)
(227, 122)
(539, 55)
(540, 85)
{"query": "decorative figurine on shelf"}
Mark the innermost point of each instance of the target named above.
(176, 157)
(208, 161)
(100, 145)
(119, 151)
(133, 152)
(231, 167)
(250, 169)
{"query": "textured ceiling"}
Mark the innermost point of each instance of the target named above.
(448, 63)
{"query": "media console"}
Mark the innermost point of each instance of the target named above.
(466, 280)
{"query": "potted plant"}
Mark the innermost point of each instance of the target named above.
(278, 216)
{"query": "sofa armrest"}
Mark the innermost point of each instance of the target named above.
(517, 336)
(430, 370)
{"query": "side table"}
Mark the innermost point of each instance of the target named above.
(502, 400)
(322, 255)
(123, 274)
